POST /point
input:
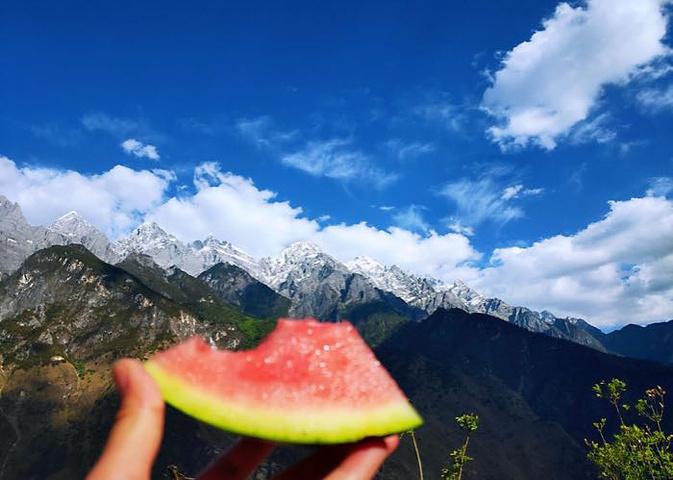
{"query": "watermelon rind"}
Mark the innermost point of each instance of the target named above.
(324, 426)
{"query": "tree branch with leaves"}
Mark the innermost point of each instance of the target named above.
(468, 423)
(639, 450)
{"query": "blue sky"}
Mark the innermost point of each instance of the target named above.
(447, 120)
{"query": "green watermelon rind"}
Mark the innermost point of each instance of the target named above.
(326, 426)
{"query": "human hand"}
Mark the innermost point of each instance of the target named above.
(135, 438)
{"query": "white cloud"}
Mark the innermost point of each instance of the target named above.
(457, 227)
(442, 256)
(511, 192)
(477, 201)
(102, 122)
(139, 149)
(614, 271)
(409, 150)
(233, 208)
(261, 132)
(411, 218)
(113, 200)
(550, 83)
(660, 187)
(440, 110)
(337, 159)
(656, 98)
(517, 191)
(593, 130)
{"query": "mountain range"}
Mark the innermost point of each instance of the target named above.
(65, 316)
(67, 312)
(315, 283)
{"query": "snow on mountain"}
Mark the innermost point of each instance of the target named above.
(312, 279)
(72, 225)
(296, 263)
(77, 230)
(150, 239)
(212, 251)
(415, 290)
(429, 294)
(319, 285)
(193, 258)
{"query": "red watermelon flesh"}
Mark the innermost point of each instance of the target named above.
(307, 382)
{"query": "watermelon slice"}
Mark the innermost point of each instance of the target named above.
(307, 382)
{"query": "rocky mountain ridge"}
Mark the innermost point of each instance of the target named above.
(316, 283)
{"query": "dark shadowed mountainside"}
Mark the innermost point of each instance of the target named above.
(652, 342)
(236, 286)
(532, 392)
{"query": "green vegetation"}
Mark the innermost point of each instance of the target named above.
(254, 330)
(468, 423)
(639, 450)
(80, 367)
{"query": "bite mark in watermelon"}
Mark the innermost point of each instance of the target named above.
(307, 382)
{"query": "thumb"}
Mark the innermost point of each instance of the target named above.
(136, 434)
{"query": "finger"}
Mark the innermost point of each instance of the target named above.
(364, 461)
(356, 461)
(239, 462)
(136, 434)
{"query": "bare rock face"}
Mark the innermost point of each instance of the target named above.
(18, 239)
(75, 229)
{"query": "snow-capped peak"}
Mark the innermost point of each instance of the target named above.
(366, 266)
(72, 224)
(150, 239)
(465, 293)
(152, 231)
(211, 251)
(75, 229)
(413, 289)
(299, 260)
(300, 249)
(547, 317)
